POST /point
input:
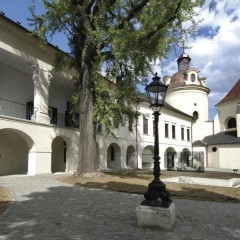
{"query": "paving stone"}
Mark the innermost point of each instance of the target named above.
(45, 208)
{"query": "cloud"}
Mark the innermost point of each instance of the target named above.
(215, 51)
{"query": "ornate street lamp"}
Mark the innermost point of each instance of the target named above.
(157, 195)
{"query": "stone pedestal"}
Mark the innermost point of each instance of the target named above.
(156, 217)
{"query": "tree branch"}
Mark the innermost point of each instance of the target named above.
(90, 5)
(169, 19)
(133, 12)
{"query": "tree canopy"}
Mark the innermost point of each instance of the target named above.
(118, 40)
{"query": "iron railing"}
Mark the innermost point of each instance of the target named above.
(29, 112)
(17, 110)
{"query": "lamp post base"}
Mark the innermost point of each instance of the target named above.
(157, 195)
(156, 217)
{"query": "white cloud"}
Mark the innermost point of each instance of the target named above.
(216, 51)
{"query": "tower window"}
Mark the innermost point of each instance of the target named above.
(193, 77)
(231, 123)
(195, 115)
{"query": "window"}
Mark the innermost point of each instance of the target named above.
(53, 114)
(188, 134)
(173, 131)
(145, 125)
(130, 123)
(166, 130)
(182, 133)
(214, 149)
(193, 77)
(195, 116)
(231, 123)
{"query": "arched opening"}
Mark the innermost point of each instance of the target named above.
(113, 156)
(195, 116)
(131, 157)
(231, 123)
(59, 155)
(147, 157)
(185, 157)
(14, 150)
(169, 158)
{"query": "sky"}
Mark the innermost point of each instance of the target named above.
(215, 51)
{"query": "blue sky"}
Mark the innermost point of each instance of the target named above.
(215, 51)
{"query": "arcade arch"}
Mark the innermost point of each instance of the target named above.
(185, 157)
(170, 158)
(113, 156)
(131, 157)
(60, 146)
(147, 157)
(15, 146)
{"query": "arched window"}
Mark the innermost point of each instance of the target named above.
(112, 155)
(195, 115)
(231, 123)
(193, 77)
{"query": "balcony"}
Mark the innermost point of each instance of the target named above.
(64, 120)
(29, 112)
(17, 110)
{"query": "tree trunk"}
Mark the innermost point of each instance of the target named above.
(87, 142)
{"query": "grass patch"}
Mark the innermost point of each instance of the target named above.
(136, 181)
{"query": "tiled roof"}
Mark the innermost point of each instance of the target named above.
(233, 94)
(228, 137)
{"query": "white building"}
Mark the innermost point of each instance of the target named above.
(37, 135)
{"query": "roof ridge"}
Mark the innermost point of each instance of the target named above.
(234, 93)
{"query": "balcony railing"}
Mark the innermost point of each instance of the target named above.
(29, 112)
(17, 110)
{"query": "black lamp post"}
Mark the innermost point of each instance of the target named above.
(156, 195)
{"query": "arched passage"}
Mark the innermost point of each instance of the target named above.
(113, 156)
(131, 157)
(147, 157)
(59, 154)
(14, 150)
(169, 158)
(185, 157)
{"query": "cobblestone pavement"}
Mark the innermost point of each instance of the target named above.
(45, 208)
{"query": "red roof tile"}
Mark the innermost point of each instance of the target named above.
(233, 94)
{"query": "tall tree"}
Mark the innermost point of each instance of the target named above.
(121, 38)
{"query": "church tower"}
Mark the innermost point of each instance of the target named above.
(187, 92)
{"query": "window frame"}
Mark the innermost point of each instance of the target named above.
(145, 125)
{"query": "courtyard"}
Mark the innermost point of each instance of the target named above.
(43, 207)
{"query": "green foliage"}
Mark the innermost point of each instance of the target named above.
(114, 105)
(122, 38)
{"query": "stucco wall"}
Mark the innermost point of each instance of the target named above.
(226, 156)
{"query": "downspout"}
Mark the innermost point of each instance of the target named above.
(192, 140)
(136, 137)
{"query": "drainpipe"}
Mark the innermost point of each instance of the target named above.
(136, 137)
(192, 140)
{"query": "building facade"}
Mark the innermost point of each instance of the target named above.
(38, 135)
